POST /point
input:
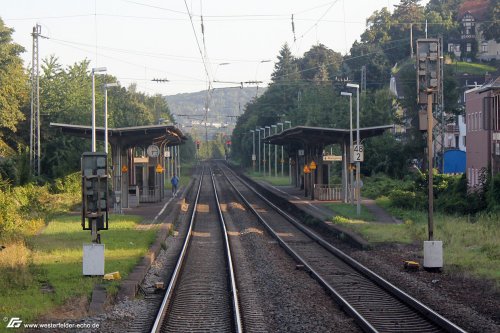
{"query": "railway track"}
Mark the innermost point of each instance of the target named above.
(376, 305)
(202, 293)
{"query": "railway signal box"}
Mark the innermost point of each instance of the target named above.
(94, 191)
(428, 64)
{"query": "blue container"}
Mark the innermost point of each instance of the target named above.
(454, 161)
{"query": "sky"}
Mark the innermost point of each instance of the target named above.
(142, 40)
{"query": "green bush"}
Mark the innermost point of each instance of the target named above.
(402, 199)
(71, 183)
(380, 184)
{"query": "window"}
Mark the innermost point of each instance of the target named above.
(480, 119)
(465, 141)
(497, 148)
(469, 47)
(484, 47)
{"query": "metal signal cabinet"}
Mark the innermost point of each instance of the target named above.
(95, 192)
(428, 65)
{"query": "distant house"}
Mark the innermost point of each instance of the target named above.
(482, 115)
(471, 42)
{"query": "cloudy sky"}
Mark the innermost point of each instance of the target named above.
(141, 40)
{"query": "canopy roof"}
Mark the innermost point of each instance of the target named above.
(128, 137)
(322, 135)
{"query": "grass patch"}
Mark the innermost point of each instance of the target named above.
(50, 269)
(472, 68)
(469, 244)
(350, 211)
(275, 181)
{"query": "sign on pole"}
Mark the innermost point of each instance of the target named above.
(332, 158)
(357, 153)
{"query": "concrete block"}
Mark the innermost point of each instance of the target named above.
(433, 254)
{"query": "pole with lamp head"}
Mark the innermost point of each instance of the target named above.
(275, 153)
(258, 130)
(358, 143)
(289, 159)
(282, 161)
(253, 149)
(269, 150)
(263, 151)
(351, 198)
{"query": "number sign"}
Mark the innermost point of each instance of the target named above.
(357, 153)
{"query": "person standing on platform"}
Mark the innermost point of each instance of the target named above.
(175, 183)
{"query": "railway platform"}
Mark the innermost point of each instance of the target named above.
(317, 208)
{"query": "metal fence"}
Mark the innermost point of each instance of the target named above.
(149, 194)
(324, 192)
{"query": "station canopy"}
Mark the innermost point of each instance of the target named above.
(128, 137)
(322, 135)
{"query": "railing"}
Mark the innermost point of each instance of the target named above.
(149, 194)
(328, 192)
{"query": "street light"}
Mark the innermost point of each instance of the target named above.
(106, 86)
(358, 170)
(258, 161)
(275, 153)
(269, 149)
(282, 161)
(350, 140)
(289, 159)
(264, 152)
(94, 70)
(253, 149)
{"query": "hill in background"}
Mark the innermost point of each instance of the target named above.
(225, 106)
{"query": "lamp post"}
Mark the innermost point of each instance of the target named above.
(289, 159)
(282, 161)
(358, 170)
(258, 130)
(106, 86)
(94, 70)
(269, 150)
(350, 143)
(253, 149)
(275, 153)
(264, 151)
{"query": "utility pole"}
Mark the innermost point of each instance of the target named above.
(35, 105)
(363, 78)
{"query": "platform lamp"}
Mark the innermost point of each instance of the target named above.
(289, 159)
(282, 161)
(263, 130)
(358, 165)
(269, 150)
(351, 198)
(275, 153)
(94, 71)
(253, 149)
(258, 130)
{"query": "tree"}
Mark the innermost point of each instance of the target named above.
(286, 67)
(491, 28)
(14, 89)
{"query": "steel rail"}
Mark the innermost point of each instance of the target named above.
(421, 308)
(234, 289)
(365, 325)
(175, 275)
